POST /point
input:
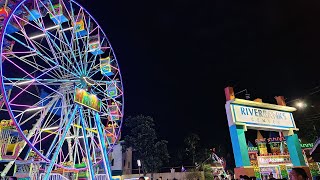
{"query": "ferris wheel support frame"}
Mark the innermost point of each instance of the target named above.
(86, 143)
(103, 146)
(30, 134)
(63, 136)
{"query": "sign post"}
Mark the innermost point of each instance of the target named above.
(244, 114)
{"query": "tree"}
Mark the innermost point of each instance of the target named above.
(142, 137)
(192, 143)
(208, 175)
(194, 174)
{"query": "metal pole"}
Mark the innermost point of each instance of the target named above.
(139, 171)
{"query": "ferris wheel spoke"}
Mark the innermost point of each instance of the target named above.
(85, 63)
(51, 123)
(32, 81)
(92, 60)
(69, 47)
(58, 48)
(50, 42)
(54, 12)
(84, 52)
(75, 34)
(34, 106)
(26, 37)
(36, 66)
(32, 49)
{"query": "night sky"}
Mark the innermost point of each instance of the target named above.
(177, 56)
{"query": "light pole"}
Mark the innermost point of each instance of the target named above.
(139, 165)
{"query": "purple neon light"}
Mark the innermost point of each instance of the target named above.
(17, 52)
(23, 105)
(32, 78)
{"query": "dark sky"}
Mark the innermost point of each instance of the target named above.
(176, 57)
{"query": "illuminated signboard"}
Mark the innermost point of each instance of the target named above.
(263, 118)
(268, 160)
(307, 145)
(253, 149)
(86, 99)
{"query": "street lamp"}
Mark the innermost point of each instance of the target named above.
(301, 105)
(139, 165)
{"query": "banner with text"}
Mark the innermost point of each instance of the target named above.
(259, 117)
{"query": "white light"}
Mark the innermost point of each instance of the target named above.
(87, 80)
(25, 82)
(301, 105)
(50, 128)
(79, 137)
(47, 29)
(139, 163)
(29, 55)
(37, 36)
(53, 27)
(33, 109)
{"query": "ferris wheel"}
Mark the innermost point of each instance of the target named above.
(66, 94)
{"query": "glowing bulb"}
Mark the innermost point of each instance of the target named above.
(301, 105)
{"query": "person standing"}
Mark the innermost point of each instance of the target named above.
(298, 174)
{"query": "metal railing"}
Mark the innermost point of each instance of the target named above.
(101, 177)
(53, 176)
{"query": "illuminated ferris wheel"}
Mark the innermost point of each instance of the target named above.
(66, 94)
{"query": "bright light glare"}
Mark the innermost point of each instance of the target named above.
(37, 36)
(301, 105)
(25, 82)
(29, 55)
(73, 137)
(50, 128)
(53, 27)
(33, 109)
(47, 29)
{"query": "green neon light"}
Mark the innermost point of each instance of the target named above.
(307, 145)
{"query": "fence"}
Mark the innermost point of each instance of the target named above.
(53, 176)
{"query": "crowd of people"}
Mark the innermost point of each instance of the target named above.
(295, 174)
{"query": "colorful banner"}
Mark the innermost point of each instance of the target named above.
(86, 99)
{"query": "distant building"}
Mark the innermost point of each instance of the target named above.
(121, 161)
